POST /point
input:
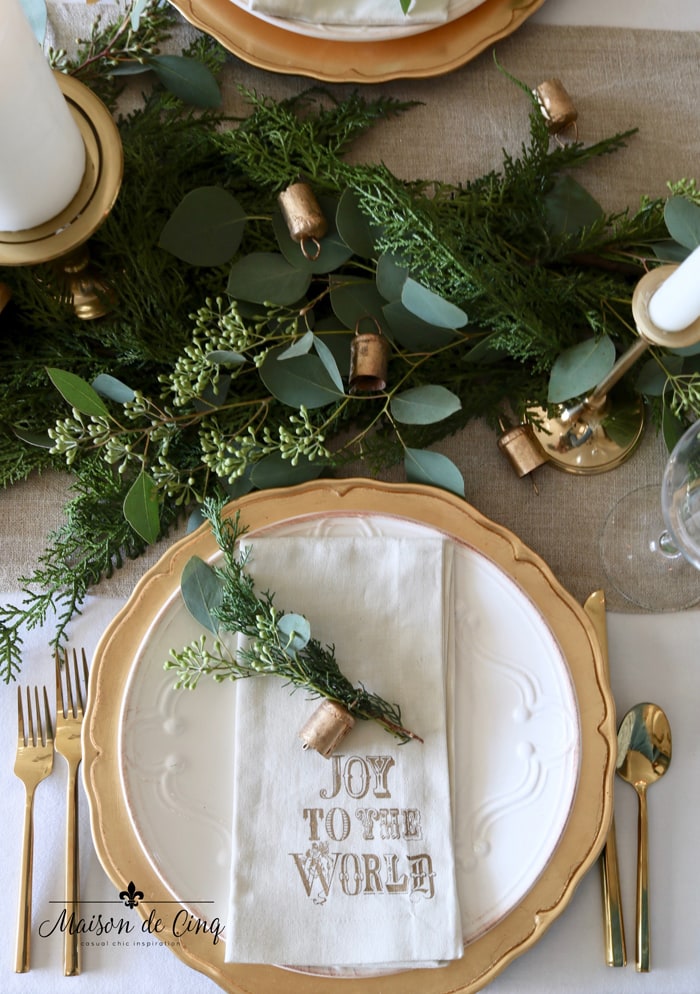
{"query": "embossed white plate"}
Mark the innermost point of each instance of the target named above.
(533, 741)
(359, 32)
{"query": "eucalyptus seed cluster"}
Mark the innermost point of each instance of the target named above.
(217, 328)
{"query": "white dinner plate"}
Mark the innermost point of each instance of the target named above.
(534, 737)
(355, 32)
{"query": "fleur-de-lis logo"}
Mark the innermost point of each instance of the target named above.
(131, 896)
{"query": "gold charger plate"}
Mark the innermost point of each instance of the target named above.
(116, 839)
(429, 53)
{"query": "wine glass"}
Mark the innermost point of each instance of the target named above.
(650, 543)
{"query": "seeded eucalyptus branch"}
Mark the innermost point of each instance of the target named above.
(277, 643)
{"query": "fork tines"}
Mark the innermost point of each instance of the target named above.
(73, 703)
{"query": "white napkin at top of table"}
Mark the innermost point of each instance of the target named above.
(348, 860)
(355, 11)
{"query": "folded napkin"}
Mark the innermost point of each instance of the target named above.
(355, 11)
(348, 860)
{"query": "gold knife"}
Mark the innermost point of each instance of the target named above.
(615, 949)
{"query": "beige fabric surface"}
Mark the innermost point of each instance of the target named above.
(618, 79)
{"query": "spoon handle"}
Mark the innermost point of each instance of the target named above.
(642, 883)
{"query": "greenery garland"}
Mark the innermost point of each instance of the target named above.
(217, 375)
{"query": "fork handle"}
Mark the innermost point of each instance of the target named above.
(71, 940)
(24, 914)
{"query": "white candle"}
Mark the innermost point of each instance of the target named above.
(42, 154)
(676, 304)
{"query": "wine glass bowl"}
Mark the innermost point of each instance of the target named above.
(680, 495)
(650, 542)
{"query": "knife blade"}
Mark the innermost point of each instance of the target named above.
(614, 926)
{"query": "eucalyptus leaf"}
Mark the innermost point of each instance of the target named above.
(569, 207)
(202, 592)
(333, 250)
(580, 368)
(267, 278)
(206, 227)
(424, 405)
(195, 521)
(433, 468)
(414, 333)
(112, 388)
(682, 219)
(133, 68)
(302, 346)
(296, 632)
(430, 307)
(225, 357)
(391, 276)
(672, 427)
(78, 392)
(329, 363)
(141, 508)
(354, 227)
(670, 251)
(302, 380)
(274, 471)
(40, 440)
(189, 79)
(338, 340)
(484, 352)
(137, 9)
(36, 13)
(652, 378)
(354, 301)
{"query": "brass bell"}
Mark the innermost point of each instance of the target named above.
(326, 728)
(556, 105)
(522, 449)
(369, 360)
(303, 216)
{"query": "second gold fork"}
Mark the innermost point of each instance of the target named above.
(71, 697)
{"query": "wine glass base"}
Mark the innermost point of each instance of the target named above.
(637, 559)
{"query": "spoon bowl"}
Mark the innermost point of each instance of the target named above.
(643, 756)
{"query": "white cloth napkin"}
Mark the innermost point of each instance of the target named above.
(354, 11)
(348, 860)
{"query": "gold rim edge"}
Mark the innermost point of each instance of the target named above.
(430, 53)
(119, 850)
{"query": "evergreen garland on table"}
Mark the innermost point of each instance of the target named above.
(215, 376)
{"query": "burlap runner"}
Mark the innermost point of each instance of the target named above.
(618, 79)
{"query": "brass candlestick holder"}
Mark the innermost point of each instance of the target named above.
(62, 240)
(597, 435)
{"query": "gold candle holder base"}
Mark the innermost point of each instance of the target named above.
(62, 239)
(595, 441)
(597, 435)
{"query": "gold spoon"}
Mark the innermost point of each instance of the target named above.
(643, 755)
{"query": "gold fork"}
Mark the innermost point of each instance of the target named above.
(71, 697)
(33, 763)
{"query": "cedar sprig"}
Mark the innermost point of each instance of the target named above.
(267, 648)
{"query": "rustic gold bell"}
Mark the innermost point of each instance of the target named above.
(369, 360)
(556, 105)
(303, 216)
(522, 449)
(326, 728)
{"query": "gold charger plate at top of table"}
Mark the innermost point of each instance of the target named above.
(417, 56)
(113, 759)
